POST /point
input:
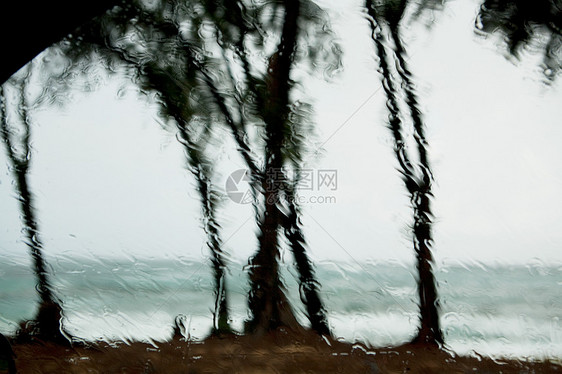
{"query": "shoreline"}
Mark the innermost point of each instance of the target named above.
(276, 352)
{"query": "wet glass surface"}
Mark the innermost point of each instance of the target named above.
(377, 174)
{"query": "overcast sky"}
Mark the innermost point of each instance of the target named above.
(109, 181)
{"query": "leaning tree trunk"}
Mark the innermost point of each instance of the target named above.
(172, 98)
(307, 279)
(279, 88)
(430, 330)
(220, 321)
(419, 187)
(46, 325)
(212, 229)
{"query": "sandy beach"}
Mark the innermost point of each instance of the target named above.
(275, 353)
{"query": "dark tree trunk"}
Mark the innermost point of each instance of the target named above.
(214, 242)
(220, 316)
(46, 325)
(430, 330)
(279, 88)
(307, 279)
(164, 84)
(268, 304)
(418, 186)
(174, 97)
(33, 241)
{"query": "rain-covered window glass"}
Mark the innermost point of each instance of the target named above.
(282, 186)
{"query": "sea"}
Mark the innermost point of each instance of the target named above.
(493, 310)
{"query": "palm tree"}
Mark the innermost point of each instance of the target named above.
(46, 325)
(170, 73)
(182, 68)
(520, 22)
(307, 279)
(268, 304)
(200, 167)
(272, 105)
(385, 22)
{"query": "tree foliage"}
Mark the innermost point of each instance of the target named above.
(530, 25)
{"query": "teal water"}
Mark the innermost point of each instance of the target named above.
(510, 311)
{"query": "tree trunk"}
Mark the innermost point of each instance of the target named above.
(307, 279)
(268, 304)
(278, 87)
(430, 330)
(419, 187)
(199, 169)
(47, 324)
(220, 315)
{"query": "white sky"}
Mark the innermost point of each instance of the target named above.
(110, 182)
